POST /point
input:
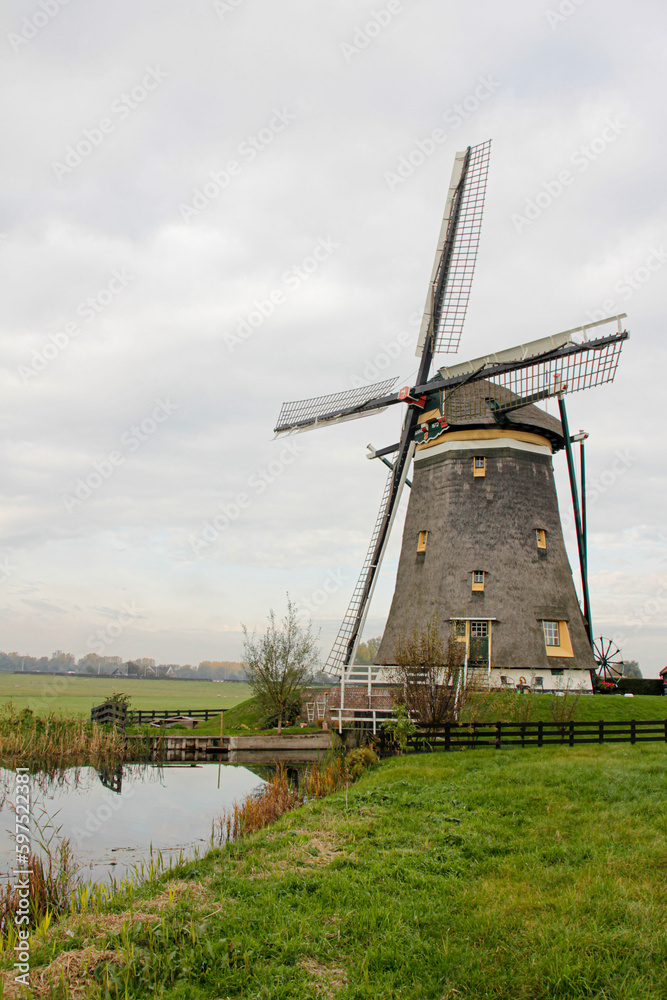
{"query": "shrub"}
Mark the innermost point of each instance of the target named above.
(429, 673)
(640, 685)
(400, 728)
(359, 760)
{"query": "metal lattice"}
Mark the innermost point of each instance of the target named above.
(302, 413)
(450, 311)
(571, 370)
(340, 648)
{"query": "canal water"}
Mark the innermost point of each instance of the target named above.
(114, 819)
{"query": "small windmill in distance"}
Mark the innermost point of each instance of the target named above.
(482, 544)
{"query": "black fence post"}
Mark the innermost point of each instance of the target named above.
(601, 731)
(540, 734)
(448, 735)
(633, 731)
(498, 734)
(572, 734)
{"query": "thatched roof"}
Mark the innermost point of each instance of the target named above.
(467, 408)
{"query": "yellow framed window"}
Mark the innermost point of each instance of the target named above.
(541, 537)
(422, 540)
(479, 465)
(478, 579)
(557, 638)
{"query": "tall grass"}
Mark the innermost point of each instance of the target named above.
(56, 889)
(278, 796)
(55, 741)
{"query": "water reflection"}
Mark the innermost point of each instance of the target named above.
(114, 817)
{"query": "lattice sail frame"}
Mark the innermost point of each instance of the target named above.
(574, 368)
(303, 414)
(351, 628)
(339, 651)
(448, 294)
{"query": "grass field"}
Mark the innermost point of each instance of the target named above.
(500, 875)
(512, 707)
(76, 695)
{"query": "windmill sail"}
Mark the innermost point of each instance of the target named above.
(505, 386)
(456, 254)
(305, 414)
(349, 633)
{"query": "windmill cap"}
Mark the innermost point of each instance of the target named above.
(468, 407)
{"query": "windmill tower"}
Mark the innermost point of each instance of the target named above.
(483, 544)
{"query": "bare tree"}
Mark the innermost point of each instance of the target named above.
(280, 662)
(429, 673)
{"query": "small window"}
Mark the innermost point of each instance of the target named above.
(541, 538)
(460, 628)
(479, 630)
(557, 638)
(478, 579)
(421, 544)
(552, 633)
(479, 465)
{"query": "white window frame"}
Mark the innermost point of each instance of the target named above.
(551, 633)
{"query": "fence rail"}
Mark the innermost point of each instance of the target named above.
(139, 715)
(461, 735)
(118, 714)
(110, 711)
(376, 716)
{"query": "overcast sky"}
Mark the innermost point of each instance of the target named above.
(173, 170)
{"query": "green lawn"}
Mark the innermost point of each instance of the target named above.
(503, 875)
(510, 706)
(76, 695)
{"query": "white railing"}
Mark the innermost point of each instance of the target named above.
(374, 715)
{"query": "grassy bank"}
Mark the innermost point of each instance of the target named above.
(44, 694)
(244, 718)
(509, 706)
(502, 875)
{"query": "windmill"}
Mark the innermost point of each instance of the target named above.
(482, 544)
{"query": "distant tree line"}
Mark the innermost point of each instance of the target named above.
(92, 663)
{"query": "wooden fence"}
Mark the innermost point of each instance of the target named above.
(460, 735)
(111, 711)
(140, 715)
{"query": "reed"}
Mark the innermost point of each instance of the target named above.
(27, 740)
(260, 809)
(56, 890)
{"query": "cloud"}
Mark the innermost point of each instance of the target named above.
(164, 334)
